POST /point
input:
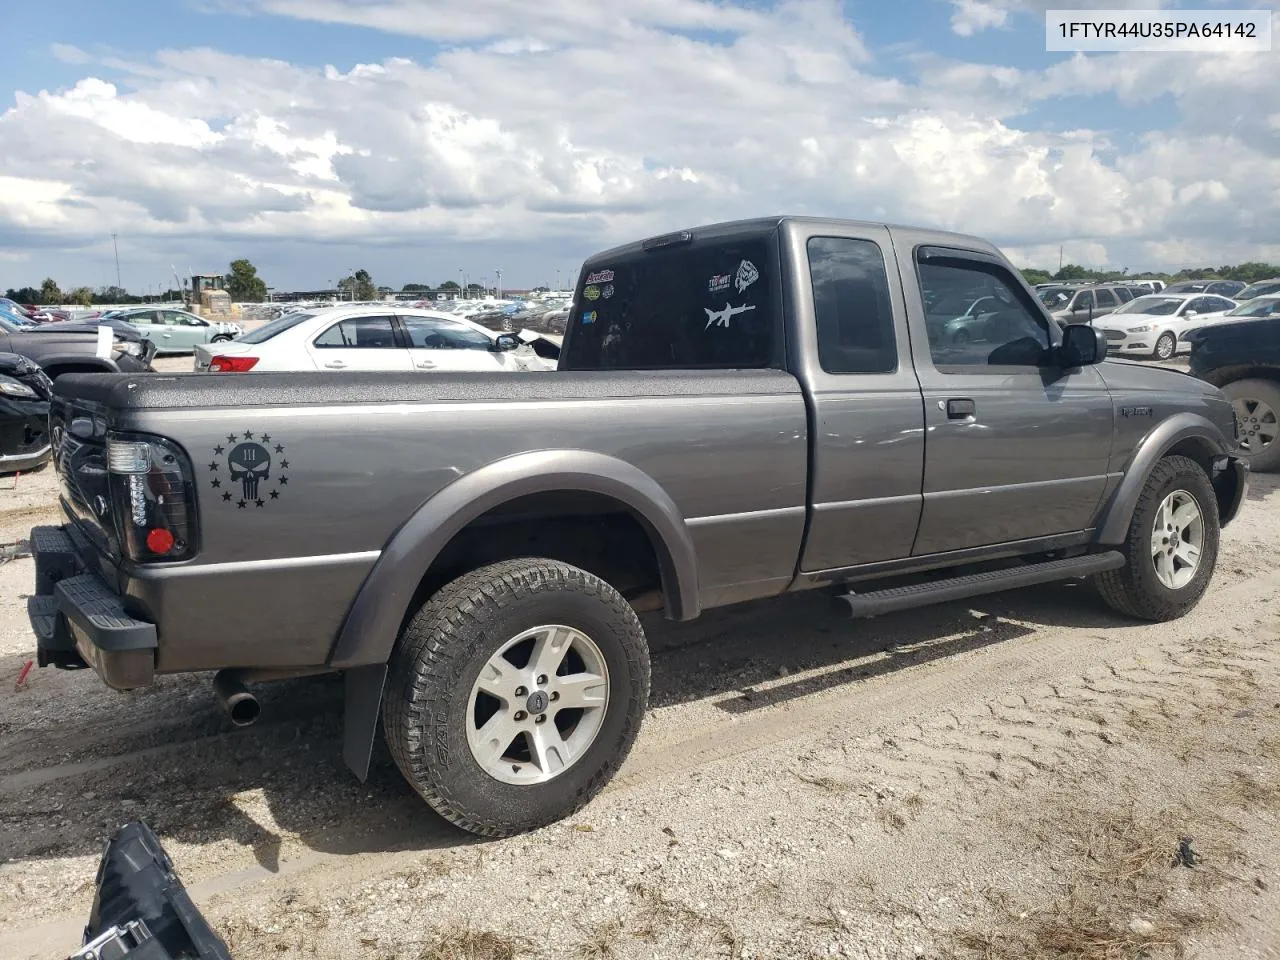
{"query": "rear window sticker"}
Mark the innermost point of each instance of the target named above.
(721, 318)
(600, 276)
(719, 283)
(607, 291)
(746, 276)
(592, 293)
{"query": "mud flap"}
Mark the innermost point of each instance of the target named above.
(362, 696)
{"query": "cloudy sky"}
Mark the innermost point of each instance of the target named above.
(417, 138)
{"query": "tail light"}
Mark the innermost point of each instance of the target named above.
(222, 364)
(153, 497)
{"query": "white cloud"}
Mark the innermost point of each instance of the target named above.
(568, 127)
(973, 16)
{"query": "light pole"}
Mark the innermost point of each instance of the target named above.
(462, 289)
(497, 285)
(116, 248)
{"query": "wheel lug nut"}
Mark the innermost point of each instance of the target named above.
(521, 715)
(540, 718)
(542, 680)
(555, 695)
(521, 692)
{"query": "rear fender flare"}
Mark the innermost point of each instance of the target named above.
(374, 621)
(1113, 527)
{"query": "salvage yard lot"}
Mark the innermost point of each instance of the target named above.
(1009, 777)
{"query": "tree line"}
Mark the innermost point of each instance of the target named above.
(1249, 272)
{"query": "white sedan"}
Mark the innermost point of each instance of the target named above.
(363, 337)
(1155, 325)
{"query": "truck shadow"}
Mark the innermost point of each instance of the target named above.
(280, 787)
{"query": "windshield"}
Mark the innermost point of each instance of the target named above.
(1261, 307)
(278, 325)
(1157, 306)
(1055, 296)
(1260, 289)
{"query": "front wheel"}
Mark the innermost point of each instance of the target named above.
(220, 338)
(1166, 346)
(515, 693)
(1171, 547)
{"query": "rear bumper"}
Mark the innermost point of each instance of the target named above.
(79, 620)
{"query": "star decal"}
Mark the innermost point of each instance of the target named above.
(213, 466)
(284, 481)
(258, 502)
(265, 438)
(216, 484)
(240, 504)
(279, 448)
(284, 464)
(231, 438)
(226, 497)
(218, 449)
(248, 434)
(275, 495)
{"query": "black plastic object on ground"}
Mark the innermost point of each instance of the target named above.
(141, 909)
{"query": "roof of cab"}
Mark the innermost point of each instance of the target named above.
(760, 225)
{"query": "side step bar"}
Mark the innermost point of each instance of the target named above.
(894, 599)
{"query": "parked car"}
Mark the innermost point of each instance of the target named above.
(385, 337)
(1156, 325)
(176, 331)
(1257, 308)
(753, 408)
(1243, 359)
(1079, 304)
(1263, 288)
(14, 307)
(24, 414)
(74, 348)
(1222, 288)
(1147, 286)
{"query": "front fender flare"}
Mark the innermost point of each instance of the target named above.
(1114, 525)
(373, 623)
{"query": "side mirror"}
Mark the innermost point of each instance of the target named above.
(1082, 346)
(504, 342)
(1191, 313)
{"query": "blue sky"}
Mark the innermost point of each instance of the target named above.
(414, 137)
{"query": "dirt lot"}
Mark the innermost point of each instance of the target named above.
(1025, 776)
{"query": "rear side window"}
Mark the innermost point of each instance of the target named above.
(709, 305)
(851, 305)
(359, 333)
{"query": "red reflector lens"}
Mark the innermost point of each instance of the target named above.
(159, 540)
(232, 364)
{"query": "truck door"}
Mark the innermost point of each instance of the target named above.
(1016, 448)
(866, 420)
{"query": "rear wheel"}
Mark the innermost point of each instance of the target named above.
(1166, 346)
(1171, 547)
(220, 338)
(1257, 408)
(515, 693)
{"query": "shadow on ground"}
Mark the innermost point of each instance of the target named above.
(168, 755)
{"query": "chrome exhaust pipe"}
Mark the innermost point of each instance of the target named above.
(241, 705)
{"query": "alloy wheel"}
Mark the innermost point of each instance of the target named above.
(1177, 539)
(1256, 424)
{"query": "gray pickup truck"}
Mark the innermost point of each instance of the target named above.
(740, 410)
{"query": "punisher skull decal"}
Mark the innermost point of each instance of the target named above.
(248, 471)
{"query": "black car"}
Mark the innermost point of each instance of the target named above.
(25, 391)
(1242, 358)
(73, 347)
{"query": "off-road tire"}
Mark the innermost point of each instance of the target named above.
(1165, 338)
(439, 656)
(1134, 589)
(1267, 391)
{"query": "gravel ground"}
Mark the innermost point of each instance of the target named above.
(1005, 778)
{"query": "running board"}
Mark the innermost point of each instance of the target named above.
(995, 581)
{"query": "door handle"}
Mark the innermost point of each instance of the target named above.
(426, 365)
(336, 365)
(961, 409)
